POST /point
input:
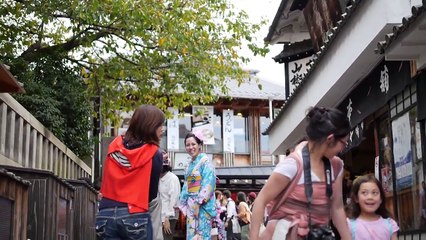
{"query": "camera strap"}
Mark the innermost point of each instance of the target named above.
(308, 180)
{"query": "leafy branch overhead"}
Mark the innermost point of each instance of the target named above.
(135, 52)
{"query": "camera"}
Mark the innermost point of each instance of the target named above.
(321, 233)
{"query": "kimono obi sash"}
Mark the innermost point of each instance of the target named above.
(296, 205)
(194, 184)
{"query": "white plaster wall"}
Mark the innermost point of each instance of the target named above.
(350, 58)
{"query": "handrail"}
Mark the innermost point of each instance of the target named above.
(25, 142)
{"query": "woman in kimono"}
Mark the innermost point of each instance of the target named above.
(197, 200)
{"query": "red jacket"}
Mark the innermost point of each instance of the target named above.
(129, 184)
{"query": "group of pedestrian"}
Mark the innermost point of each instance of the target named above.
(140, 194)
(301, 196)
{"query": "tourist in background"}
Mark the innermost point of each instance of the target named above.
(250, 199)
(221, 215)
(231, 214)
(244, 215)
(169, 190)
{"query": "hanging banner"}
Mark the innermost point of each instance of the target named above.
(376, 167)
(173, 130)
(228, 131)
(402, 153)
(202, 122)
(418, 141)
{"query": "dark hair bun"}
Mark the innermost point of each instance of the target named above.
(325, 121)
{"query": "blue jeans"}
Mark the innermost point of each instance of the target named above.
(118, 224)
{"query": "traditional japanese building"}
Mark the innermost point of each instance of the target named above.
(235, 123)
(366, 58)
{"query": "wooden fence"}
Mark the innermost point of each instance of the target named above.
(50, 204)
(84, 207)
(25, 142)
(13, 206)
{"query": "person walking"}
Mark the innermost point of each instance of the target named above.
(368, 216)
(423, 202)
(231, 214)
(244, 215)
(130, 178)
(197, 200)
(169, 190)
(221, 216)
(294, 214)
(251, 197)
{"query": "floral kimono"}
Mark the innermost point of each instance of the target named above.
(198, 189)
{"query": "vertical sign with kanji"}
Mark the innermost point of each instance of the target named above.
(228, 131)
(297, 70)
(173, 130)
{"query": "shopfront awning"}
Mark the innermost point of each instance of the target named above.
(8, 82)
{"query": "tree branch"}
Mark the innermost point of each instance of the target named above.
(72, 43)
(121, 56)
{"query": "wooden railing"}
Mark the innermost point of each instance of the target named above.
(25, 142)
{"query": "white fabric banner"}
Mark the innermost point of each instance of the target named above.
(228, 131)
(173, 130)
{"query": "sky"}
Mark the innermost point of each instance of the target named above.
(269, 70)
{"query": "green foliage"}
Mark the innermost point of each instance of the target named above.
(163, 52)
(56, 97)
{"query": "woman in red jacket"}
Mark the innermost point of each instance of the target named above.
(130, 180)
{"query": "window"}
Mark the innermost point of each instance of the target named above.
(184, 128)
(403, 100)
(409, 174)
(241, 137)
(62, 219)
(217, 147)
(6, 216)
(264, 139)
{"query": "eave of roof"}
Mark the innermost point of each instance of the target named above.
(276, 20)
(295, 51)
(416, 11)
(8, 81)
(316, 60)
(34, 171)
(249, 89)
(4, 172)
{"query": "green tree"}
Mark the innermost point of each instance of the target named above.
(56, 96)
(152, 51)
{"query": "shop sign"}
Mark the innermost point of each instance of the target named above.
(382, 84)
(228, 131)
(297, 70)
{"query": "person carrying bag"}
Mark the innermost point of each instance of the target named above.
(294, 214)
